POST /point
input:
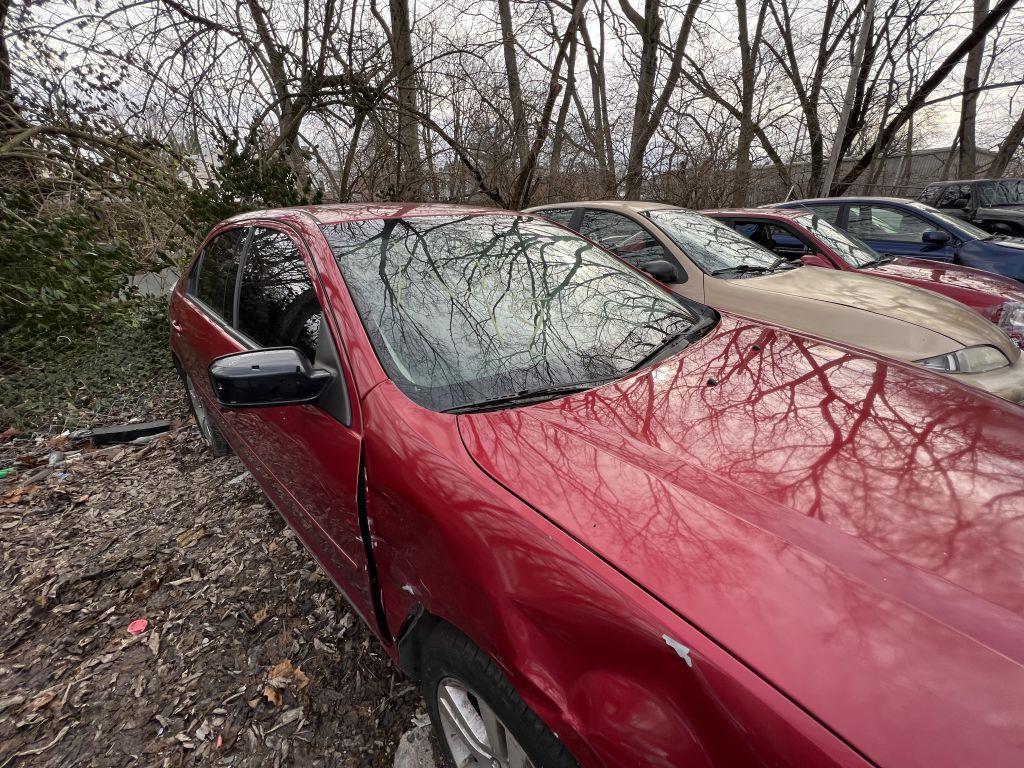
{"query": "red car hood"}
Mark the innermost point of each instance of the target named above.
(852, 530)
(992, 290)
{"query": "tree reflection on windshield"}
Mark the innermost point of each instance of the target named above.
(714, 247)
(472, 308)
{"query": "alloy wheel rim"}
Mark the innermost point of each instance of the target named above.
(475, 735)
(202, 417)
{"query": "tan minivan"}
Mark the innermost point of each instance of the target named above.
(709, 262)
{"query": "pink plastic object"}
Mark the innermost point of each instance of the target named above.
(138, 626)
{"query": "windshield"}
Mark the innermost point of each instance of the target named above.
(715, 247)
(1005, 192)
(472, 308)
(850, 249)
(960, 227)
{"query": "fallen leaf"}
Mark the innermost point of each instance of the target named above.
(260, 616)
(43, 699)
(273, 695)
(189, 538)
(284, 674)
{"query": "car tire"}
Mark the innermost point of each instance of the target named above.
(466, 692)
(207, 429)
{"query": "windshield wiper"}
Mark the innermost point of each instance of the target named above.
(884, 258)
(526, 396)
(671, 344)
(740, 269)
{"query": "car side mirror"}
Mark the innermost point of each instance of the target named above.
(935, 237)
(267, 377)
(815, 260)
(661, 270)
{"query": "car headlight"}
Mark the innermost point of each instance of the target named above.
(1012, 317)
(967, 360)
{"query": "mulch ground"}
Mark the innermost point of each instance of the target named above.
(249, 656)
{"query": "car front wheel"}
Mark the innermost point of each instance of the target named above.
(478, 718)
(211, 435)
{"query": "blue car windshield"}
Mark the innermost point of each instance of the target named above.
(959, 227)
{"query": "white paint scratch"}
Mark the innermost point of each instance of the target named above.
(680, 649)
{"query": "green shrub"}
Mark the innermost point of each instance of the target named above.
(116, 369)
(57, 271)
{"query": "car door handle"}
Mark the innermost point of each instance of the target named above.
(176, 326)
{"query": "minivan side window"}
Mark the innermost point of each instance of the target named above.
(277, 306)
(217, 270)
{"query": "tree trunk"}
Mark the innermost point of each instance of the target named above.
(646, 112)
(408, 178)
(10, 115)
(519, 195)
(969, 101)
(554, 166)
(649, 28)
(515, 88)
(1007, 149)
(835, 157)
(749, 56)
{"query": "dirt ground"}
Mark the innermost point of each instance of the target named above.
(249, 656)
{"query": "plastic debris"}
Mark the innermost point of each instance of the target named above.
(137, 627)
(123, 433)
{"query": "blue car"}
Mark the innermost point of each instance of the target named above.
(908, 228)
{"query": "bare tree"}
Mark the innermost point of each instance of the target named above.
(969, 102)
(889, 132)
(649, 106)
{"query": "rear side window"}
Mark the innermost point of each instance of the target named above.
(277, 306)
(218, 269)
(558, 215)
(885, 223)
(829, 213)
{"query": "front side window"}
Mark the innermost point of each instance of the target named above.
(716, 247)
(775, 238)
(623, 237)
(465, 309)
(277, 306)
(955, 196)
(218, 270)
(885, 223)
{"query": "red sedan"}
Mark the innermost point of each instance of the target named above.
(603, 525)
(802, 234)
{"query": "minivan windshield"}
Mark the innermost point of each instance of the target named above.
(716, 248)
(475, 309)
